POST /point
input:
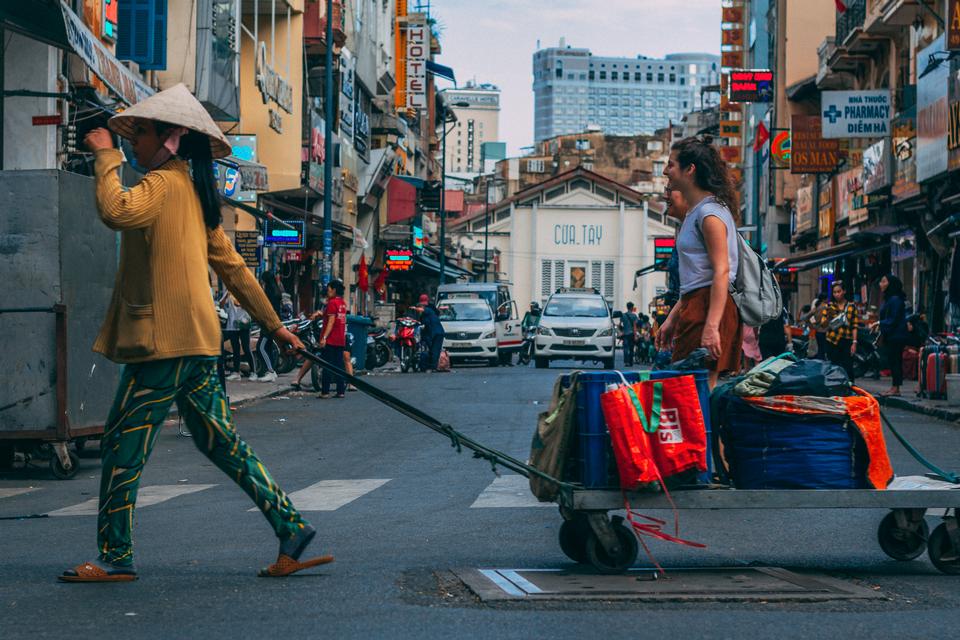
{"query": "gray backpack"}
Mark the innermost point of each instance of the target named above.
(755, 290)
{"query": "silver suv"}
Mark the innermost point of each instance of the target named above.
(577, 324)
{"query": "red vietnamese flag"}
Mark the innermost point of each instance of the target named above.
(761, 138)
(841, 6)
(380, 284)
(363, 278)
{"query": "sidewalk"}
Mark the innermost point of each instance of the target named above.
(909, 400)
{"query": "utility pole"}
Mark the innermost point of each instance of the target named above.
(443, 197)
(328, 153)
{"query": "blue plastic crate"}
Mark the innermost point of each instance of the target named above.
(596, 466)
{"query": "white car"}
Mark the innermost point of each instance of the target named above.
(577, 324)
(469, 328)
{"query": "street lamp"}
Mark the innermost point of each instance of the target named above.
(443, 183)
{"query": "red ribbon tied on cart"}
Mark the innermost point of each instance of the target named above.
(652, 444)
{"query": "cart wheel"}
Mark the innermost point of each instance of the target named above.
(56, 468)
(573, 539)
(598, 557)
(899, 543)
(943, 554)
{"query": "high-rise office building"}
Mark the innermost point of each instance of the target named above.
(574, 89)
(477, 123)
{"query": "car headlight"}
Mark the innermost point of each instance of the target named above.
(605, 333)
(544, 331)
(488, 335)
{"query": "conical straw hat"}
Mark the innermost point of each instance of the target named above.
(175, 106)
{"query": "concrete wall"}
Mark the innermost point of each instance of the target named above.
(181, 46)
(805, 24)
(34, 66)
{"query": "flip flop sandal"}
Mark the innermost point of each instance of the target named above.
(285, 566)
(296, 386)
(89, 572)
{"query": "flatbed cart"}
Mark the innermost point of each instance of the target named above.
(590, 535)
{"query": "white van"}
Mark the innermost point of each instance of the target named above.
(497, 295)
(469, 330)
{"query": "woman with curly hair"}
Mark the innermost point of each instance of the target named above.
(706, 315)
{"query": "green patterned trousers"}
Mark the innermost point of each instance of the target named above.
(143, 400)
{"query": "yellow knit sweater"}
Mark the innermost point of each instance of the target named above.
(162, 306)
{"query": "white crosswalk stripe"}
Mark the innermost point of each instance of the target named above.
(508, 491)
(9, 492)
(147, 496)
(330, 495)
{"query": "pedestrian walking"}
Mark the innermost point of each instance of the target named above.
(629, 327)
(433, 333)
(237, 333)
(271, 287)
(706, 315)
(162, 325)
(842, 319)
(333, 342)
(893, 329)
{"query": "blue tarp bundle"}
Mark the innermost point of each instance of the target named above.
(772, 450)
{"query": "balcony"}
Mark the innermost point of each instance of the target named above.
(899, 13)
(851, 21)
(875, 24)
(827, 77)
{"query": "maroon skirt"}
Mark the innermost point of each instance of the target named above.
(689, 333)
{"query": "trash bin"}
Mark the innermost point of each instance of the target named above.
(953, 389)
(358, 326)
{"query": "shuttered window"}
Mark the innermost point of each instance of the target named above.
(142, 33)
(608, 277)
(559, 275)
(595, 270)
(546, 278)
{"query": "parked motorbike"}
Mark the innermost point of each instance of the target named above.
(800, 345)
(378, 348)
(866, 361)
(282, 363)
(408, 340)
(526, 349)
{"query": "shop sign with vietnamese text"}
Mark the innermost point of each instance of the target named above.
(851, 203)
(953, 25)
(876, 166)
(804, 209)
(904, 144)
(856, 114)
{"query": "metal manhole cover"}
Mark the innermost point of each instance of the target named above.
(723, 583)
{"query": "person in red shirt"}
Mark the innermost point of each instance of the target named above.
(333, 342)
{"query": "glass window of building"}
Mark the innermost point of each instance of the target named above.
(692, 69)
(603, 75)
(583, 76)
(649, 77)
(683, 80)
(659, 77)
(673, 78)
(613, 74)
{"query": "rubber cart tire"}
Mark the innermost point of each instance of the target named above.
(58, 471)
(942, 553)
(573, 539)
(600, 560)
(902, 544)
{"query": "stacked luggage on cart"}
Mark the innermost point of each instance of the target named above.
(936, 360)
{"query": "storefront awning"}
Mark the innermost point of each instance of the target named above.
(124, 83)
(41, 20)
(452, 272)
(824, 256)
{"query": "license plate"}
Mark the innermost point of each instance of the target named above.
(574, 343)
(459, 344)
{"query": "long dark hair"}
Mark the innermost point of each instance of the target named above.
(711, 173)
(270, 287)
(195, 147)
(894, 288)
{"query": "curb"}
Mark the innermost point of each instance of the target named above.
(174, 413)
(942, 413)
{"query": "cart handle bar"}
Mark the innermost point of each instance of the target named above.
(457, 439)
(947, 476)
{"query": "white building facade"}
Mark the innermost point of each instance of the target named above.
(577, 229)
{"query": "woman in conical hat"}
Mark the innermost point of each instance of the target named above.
(163, 326)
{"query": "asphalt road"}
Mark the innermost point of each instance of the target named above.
(400, 514)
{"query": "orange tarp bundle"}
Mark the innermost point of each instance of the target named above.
(863, 410)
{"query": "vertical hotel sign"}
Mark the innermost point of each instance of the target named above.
(418, 44)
